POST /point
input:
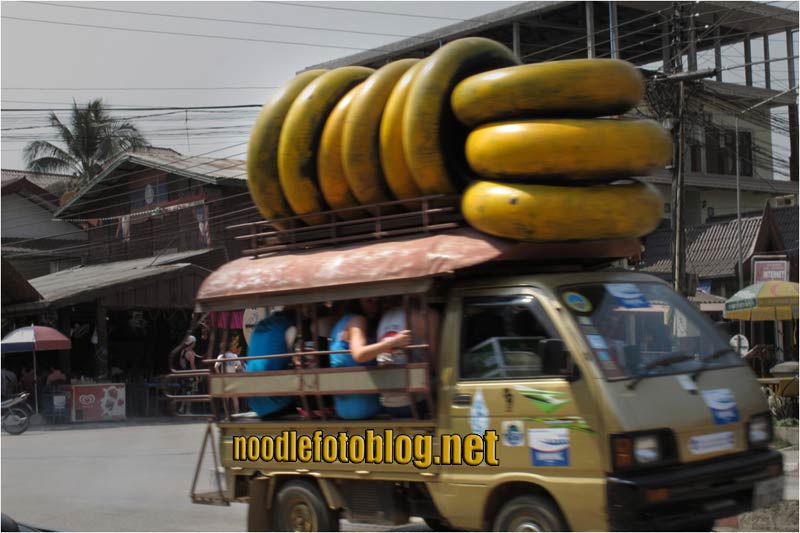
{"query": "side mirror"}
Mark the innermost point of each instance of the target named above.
(555, 359)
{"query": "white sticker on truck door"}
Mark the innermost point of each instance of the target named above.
(549, 447)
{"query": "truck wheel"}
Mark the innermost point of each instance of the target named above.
(529, 513)
(299, 506)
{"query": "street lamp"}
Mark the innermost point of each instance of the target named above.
(738, 188)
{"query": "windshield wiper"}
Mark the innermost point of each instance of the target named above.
(665, 361)
(707, 360)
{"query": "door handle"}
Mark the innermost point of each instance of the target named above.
(462, 400)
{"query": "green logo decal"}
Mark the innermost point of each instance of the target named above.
(547, 401)
(573, 423)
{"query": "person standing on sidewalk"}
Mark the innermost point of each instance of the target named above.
(228, 363)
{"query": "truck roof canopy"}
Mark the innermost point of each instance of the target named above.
(397, 266)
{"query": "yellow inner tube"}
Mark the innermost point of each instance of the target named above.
(262, 149)
(360, 138)
(555, 213)
(568, 149)
(300, 136)
(432, 138)
(565, 89)
(393, 160)
(330, 171)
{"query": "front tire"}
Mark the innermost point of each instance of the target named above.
(299, 506)
(17, 420)
(529, 513)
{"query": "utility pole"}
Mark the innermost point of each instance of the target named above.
(678, 138)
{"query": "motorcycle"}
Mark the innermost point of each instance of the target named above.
(16, 413)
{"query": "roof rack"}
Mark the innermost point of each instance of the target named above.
(422, 215)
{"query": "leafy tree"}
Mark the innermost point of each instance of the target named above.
(92, 139)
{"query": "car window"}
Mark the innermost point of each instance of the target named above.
(504, 337)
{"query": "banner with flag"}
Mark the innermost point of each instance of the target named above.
(201, 214)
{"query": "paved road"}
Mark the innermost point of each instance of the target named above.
(131, 478)
(115, 478)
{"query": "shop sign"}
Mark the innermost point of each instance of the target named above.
(771, 271)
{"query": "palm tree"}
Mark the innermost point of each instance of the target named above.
(92, 140)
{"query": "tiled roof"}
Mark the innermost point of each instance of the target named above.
(786, 219)
(41, 179)
(712, 249)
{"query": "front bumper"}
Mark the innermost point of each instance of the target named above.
(695, 493)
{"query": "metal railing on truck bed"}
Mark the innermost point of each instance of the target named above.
(397, 218)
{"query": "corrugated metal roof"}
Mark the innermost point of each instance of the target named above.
(740, 18)
(448, 33)
(712, 250)
(205, 169)
(68, 283)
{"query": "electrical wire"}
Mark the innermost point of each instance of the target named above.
(213, 19)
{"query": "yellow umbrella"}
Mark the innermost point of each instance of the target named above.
(767, 300)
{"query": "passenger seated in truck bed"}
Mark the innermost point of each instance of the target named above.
(351, 332)
(424, 325)
(272, 335)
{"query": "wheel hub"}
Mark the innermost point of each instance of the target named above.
(527, 525)
(301, 517)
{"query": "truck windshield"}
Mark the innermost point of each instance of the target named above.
(645, 329)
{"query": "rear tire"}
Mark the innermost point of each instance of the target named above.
(299, 506)
(17, 420)
(529, 513)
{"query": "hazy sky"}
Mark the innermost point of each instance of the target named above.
(228, 53)
(46, 65)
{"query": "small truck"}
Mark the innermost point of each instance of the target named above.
(568, 392)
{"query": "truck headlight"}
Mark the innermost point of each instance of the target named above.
(646, 449)
(759, 430)
(643, 449)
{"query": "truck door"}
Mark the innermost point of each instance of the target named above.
(514, 376)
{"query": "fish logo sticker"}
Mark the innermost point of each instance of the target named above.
(513, 433)
(547, 401)
(577, 302)
(549, 447)
(722, 404)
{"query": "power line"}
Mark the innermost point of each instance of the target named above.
(212, 19)
(182, 34)
(55, 89)
(352, 10)
(163, 108)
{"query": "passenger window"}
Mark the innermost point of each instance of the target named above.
(509, 337)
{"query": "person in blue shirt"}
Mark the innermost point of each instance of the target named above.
(272, 335)
(351, 333)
